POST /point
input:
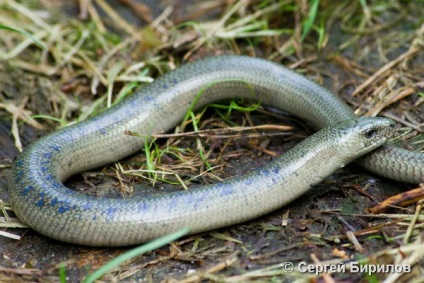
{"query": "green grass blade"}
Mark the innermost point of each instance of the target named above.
(155, 244)
(310, 19)
(62, 273)
(200, 93)
(41, 116)
(26, 34)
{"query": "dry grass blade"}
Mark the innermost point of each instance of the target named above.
(224, 132)
(383, 70)
(212, 30)
(403, 199)
(120, 22)
(208, 273)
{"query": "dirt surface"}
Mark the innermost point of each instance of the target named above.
(329, 224)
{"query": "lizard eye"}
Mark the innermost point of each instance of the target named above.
(370, 133)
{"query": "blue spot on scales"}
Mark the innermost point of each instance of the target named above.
(40, 202)
(63, 209)
(54, 201)
(265, 172)
(49, 177)
(64, 206)
(27, 190)
(55, 148)
(47, 155)
(18, 175)
(142, 207)
(227, 191)
(87, 206)
(110, 213)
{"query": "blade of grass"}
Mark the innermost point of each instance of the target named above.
(200, 147)
(321, 34)
(307, 25)
(152, 245)
(235, 106)
(194, 120)
(26, 34)
(41, 116)
(150, 158)
(62, 273)
(200, 93)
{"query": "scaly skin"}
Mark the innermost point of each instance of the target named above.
(40, 199)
